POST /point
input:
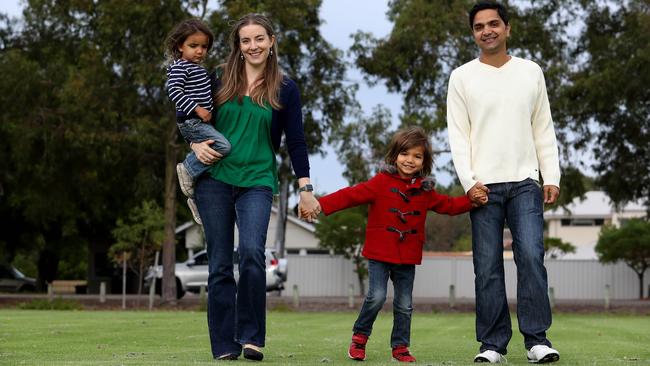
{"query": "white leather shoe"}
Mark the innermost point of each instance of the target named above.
(490, 356)
(194, 210)
(185, 180)
(542, 354)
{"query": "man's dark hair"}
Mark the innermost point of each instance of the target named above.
(486, 4)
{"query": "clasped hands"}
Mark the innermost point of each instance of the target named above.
(478, 194)
(308, 207)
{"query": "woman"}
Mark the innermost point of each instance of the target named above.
(256, 104)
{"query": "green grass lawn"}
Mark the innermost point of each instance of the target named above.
(32, 337)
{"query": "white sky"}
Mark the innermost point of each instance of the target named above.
(341, 19)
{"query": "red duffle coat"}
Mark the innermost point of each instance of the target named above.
(396, 216)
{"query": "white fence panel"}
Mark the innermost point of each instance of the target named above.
(625, 282)
(320, 275)
(434, 278)
(324, 275)
(576, 279)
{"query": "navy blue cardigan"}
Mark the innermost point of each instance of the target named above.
(287, 120)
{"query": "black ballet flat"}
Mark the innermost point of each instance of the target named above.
(227, 357)
(252, 353)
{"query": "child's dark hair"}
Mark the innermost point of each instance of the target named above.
(486, 4)
(179, 34)
(407, 138)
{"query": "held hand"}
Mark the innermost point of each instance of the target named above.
(203, 113)
(479, 199)
(551, 194)
(308, 207)
(205, 153)
(479, 186)
(478, 194)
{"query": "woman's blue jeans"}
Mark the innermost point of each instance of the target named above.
(236, 311)
(402, 276)
(520, 204)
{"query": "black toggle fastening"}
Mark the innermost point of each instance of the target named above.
(402, 234)
(401, 215)
(402, 194)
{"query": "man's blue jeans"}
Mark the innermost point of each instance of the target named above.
(195, 130)
(402, 276)
(236, 311)
(520, 204)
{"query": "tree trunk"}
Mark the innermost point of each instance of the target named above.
(140, 275)
(169, 244)
(48, 264)
(640, 274)
(283, 204)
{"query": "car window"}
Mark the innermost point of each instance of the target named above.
(201, 259)
(16, 272)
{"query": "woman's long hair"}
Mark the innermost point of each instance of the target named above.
(234, 82)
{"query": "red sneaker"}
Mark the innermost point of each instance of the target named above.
(357, 350)
(402, 354)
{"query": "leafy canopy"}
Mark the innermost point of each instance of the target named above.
(630, 243)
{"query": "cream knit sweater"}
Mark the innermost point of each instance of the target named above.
(500, 126)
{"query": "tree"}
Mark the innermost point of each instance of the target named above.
(99, 135)
(344, 232)
(608, 96)
(630, 243)
(555, 248)
(139, 236)
(362, 144)
(92, 143)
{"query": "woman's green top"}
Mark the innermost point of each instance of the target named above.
(252, 159)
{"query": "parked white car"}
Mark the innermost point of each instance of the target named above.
(193, 273)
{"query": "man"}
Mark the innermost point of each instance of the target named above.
(501, 133)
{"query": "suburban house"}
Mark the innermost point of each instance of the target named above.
(300, 236)
(581, 221)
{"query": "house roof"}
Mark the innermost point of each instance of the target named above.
(291, 218)
(595, 204)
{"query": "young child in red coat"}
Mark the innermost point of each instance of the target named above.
(399, 198)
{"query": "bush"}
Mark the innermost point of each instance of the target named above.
(56, 304)
(283, 308)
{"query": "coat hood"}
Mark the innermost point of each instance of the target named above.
(426, 183)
